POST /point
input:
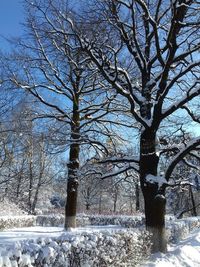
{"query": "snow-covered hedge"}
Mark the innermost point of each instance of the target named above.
(124, 221)
(50, 220)
(176, 229)
(16, 221)
(58, 219)
(88, 249)
(179, 228)
(82, 220)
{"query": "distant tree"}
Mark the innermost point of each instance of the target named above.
(50, 67)
(7, 102)
(90, 188)
(30, 166)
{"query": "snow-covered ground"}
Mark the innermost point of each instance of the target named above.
(9, 236)
(184, 254)
(110, 245)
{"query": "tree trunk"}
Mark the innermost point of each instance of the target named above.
(41, 173)
(88, 199)
(115, 203)
(155, 218)
(30, 192)
(100, 203)
(73, 166)
(137, 197)
(194, 210)
(87, 206)
(35, 200)
(131, 204)
(71, 203)
(154, 197)
(19, 180)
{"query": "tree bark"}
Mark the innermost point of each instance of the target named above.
(154, 197)
(88, 199)
(115, 202)
(100, 203)
(87, 206)
(19, 180)
(73, 166)
(137, 197)
(194, 210)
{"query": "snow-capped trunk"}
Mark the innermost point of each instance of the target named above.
(154, 196)
(73, 166)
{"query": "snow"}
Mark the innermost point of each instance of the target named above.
(92, 246)
(103, 242)
(11, 208)
(160, 180)
(11, 221)
(185, 253)
(11, 236)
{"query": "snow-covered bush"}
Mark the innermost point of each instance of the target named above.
(192, 222)
(17, 221)
(124, 221)
(57, 201)
(10, 208)
(88, 249)
(176, 231)
(179, 229)
(12, 216)
(58, 219)
(82, 220)
(50, 220)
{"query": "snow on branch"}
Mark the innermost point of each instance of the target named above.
(182, 153)
(152, 179)
(120, 171)
(191, 165)
(172, 148)
(191, 94)
(120, 160)
(191, 114)
(181, 183)
(116, 76)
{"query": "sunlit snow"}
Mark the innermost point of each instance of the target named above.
(185, 253)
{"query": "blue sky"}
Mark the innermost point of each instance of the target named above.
(11, 14)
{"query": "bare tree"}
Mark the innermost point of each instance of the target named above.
(29, 168)
(50, 67)
(148, 52)
(90, 187)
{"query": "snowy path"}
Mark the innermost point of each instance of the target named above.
(184, 254)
